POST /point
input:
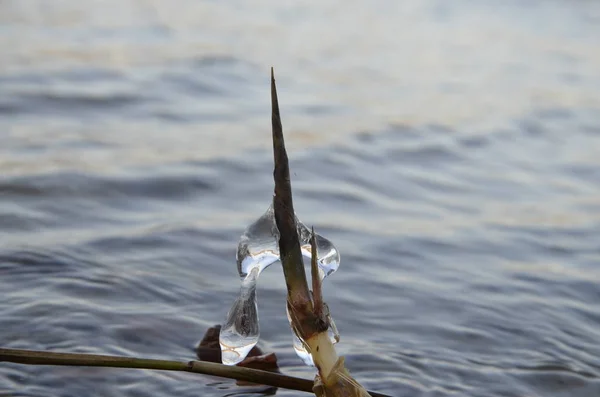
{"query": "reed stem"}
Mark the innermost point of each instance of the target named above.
(308, 318)
(285, 219)
(34, 357)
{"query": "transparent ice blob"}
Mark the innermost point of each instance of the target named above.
(259, 248)
(241, 331)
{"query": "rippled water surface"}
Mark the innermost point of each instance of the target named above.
(451, 150)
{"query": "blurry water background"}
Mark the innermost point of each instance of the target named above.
(451, 150)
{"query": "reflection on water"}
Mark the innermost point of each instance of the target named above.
(449, 149)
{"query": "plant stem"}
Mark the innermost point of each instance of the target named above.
(323, 353)
(34, 357)
(321, 347)
(202, 367)
(307, 315)
(289, 244)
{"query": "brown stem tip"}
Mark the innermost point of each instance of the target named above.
(289, 245)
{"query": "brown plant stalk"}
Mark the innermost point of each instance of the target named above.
(308, 315)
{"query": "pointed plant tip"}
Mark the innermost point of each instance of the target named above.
(274, 100)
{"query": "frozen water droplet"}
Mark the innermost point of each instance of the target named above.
(237, 350)
(299, 347)
(334, 335)
(259, 246)
(241, 330)
(301, 351)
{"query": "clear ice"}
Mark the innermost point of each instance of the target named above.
(259, 248)
(240, 332)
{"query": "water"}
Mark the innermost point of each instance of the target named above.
(448, 149)
(259, 248)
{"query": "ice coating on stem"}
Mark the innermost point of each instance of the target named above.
(259, 248)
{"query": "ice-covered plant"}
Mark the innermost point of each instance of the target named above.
(278, 235)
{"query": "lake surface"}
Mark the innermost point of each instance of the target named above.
(451, 151)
